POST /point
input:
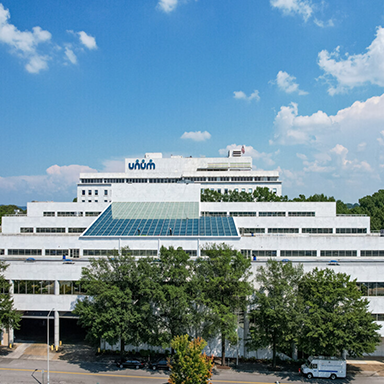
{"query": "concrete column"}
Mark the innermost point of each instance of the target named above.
(11, 290)
(57, 287)
(57, 329)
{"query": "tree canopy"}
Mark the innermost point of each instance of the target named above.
(10, 210)
(190, 365)
(9, 317)
(335, 316)
(275, 314)
(225, 286)
(118, 305)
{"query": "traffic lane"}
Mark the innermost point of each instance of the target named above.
(15, 371)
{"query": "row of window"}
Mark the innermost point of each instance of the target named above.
(378, 316)
(304, 253)
(95, 192)
(303, 230)
(51, 230)
(71, 214)
(151, 252)
(46, 287)
(175, 180)
(86, 252)
(261, 214)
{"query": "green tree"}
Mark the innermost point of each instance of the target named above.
(224, 282)
(119, 301)
(9, 317)
(264, 194)
(190, 365)
(174, 305)
(335, 316)
(10, 210)
(274, 319)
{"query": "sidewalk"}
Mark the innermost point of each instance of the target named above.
(369, 366)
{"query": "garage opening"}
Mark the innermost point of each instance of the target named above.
(33, 328)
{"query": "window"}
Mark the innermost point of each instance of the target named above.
(92, 213)
(97, 252)
(26, 230)
(262, 214)
(213, 214)
(24, 252)
(49, 214)
(242, 214)
(1, 251)
(251, 231)
(351, 230)
(50, 230)
(105, 192)
(371, 253)
(249, 190)
(89, 192)
(378, 316)
(83, 192)
(143, 252)
(371, 288)
(301, 214)
(76, 230)
(335, 253)
(264, 253)
(257, 253)
(56, 252)
(317, 230)
(283, 230)
(96, 192)
(71, 288)
(69, 214)
(297, 253)
(34, 287)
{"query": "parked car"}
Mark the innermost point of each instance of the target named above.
(130, 364)
(68, 261)
(160, 364)
(30, 260)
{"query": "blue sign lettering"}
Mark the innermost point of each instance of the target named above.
(142, 166)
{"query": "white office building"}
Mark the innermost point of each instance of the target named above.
(149, 206)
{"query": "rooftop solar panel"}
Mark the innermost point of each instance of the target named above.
(158, 219)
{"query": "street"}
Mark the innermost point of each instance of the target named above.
(20, 371)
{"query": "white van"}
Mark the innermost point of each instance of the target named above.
(320, 366)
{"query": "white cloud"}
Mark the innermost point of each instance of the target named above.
(70, 55)
(35, 47)
(354, 70)
(361, 147)
(240, 95)
(87, 40)
(323, 24)
(24, 44)
(196, 136)
(252, 152)
(291, 7)
(287, 83)
(167, 5)
(291, 128)
(57, 180)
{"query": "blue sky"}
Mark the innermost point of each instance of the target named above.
(299, 83)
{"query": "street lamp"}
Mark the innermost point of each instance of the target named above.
(49, 313)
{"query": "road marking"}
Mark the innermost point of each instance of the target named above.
(128, 376)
